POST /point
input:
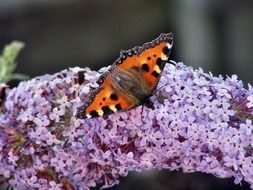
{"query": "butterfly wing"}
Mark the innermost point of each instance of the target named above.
(154, 57)
(149, 60)
(103, 101)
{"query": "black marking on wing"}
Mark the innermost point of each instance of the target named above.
(113, 97)
(118, 107)
(166, 51)
(94, 113)
(145, 67)
(155, 74)
(160, 63)
(162, 38)
(106, 110)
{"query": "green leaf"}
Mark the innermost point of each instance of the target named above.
(8, 60)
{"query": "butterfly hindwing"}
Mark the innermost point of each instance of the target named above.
(146, 62)
(105, 101)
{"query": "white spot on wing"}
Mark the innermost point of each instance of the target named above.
(157, 69)
(164, 57)
(100, 112)
(112, 107)
(169, 45)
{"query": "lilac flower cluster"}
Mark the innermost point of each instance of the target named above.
(200, 123)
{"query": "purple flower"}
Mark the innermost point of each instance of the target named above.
(55, 186)
(39, 135)
(200, 123)
(250, 101)
(247, 127)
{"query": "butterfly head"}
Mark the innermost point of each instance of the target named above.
(148, 103)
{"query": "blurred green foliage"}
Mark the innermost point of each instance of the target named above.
(8, 62)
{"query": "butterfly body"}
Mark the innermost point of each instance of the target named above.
(130, 85)
(130, 81)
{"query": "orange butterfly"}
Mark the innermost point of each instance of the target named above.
(130, 81)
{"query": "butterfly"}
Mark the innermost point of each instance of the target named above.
(130, 81)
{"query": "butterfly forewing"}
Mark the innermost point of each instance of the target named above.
(152, 62)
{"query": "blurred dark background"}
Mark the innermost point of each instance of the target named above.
(214, 34)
